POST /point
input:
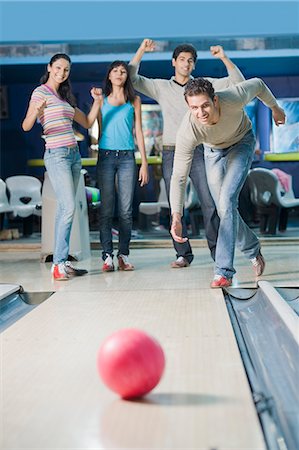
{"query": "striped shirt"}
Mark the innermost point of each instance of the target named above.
(57, 118)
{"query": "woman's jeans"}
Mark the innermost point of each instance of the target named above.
(116, 173)
(227, 170)
(199, 180)
(63, 165)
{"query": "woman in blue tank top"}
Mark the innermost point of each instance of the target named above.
(116, 166)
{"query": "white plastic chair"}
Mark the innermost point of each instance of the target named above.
(266, 189)
(150, 208)
(25, 195)
(191, 200)
(272, 202)
(4, 203)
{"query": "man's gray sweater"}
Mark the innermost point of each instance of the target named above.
(170, 96)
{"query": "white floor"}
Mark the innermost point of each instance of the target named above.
(51, 395)
(152, 270)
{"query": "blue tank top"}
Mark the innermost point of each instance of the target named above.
(117, 127)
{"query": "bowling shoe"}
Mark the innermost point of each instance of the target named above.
(220, 281)
(108, 265)
(59, 273)
(258, 264)
(124, 264)
(179, 263)
(73, 271)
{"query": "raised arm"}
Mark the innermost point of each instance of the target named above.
(147, 45)
(235, 76)
(35, 110)
(87, 121)
(146, 86)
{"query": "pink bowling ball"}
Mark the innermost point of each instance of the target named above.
(131, 363)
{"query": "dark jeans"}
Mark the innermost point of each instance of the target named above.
(199, 180)
(116, 168)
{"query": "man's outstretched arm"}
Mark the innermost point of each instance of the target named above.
(146, 86)
(235, 76)
(147, 45)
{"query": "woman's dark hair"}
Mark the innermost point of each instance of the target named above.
(185, 48)
(64, 90)
(197, 86)
(128, 86)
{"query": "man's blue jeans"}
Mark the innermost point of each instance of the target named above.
(199, 180)
(63, 165)
(227, 170)
(116, 173)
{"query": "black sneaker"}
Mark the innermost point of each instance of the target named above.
(73, 271)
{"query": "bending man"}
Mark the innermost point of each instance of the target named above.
(219, 122)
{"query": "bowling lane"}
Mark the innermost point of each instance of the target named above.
(52, 396)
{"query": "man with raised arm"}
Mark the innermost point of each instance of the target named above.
(170, 96)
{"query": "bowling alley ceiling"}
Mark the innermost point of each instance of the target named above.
(267, 56)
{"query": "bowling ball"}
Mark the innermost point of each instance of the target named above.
(130, 362)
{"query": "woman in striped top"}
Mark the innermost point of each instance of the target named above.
(54, 105)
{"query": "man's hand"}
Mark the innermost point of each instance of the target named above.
(278, 115)
(217, 51)
(148, 45)
(176, 228)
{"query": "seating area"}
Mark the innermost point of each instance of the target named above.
(272, 199)
(276, 210)
(20, 196)
(4, 203)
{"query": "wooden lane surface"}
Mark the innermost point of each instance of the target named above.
(53, 398)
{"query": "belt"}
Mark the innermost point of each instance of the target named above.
(115, 151)
(169, 148)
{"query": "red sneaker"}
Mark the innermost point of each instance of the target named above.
(59, 273)
(108, 265)
(220, 281)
